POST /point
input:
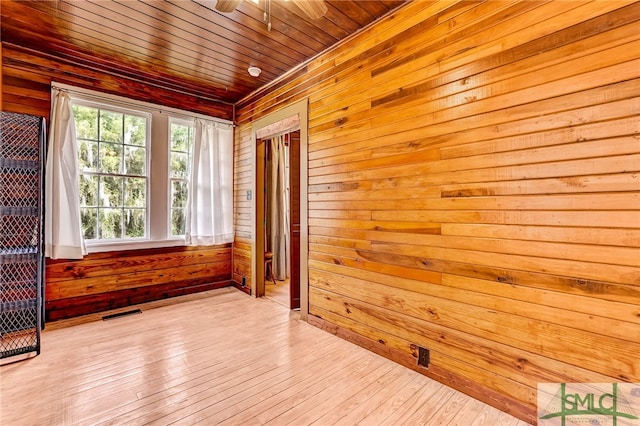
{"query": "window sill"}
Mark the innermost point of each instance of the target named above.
(106, 246)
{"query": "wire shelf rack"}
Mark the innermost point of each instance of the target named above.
(21, 211)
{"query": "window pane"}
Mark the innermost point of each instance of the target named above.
(88, 191)
(181, 137)
(112, 144)
(110, 223)
(179, 165)
(178, 220)
(134, 160)
(88, 155)
(89, 220)
(110, 157)
(135, 130)
(135, 192)
(178, 193)
(86, 119)
(111, 126)
(111, 191)
(134, 223)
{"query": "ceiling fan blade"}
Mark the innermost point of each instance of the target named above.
(227, 6)
(314, 9)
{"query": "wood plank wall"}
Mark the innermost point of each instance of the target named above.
(1, 66)
(103, 281)
(27, 77)
(109, 280)
(474, 189)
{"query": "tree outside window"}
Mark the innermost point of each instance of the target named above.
(181, 146)
(112, 151)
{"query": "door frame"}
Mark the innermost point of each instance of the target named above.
(257, 207)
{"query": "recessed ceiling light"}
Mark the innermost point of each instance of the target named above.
(254, 71)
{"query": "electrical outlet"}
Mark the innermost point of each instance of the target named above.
(423, 357)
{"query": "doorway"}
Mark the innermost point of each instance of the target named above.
(282, 218)
(290, 121)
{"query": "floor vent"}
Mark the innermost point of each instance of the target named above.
(121, 314)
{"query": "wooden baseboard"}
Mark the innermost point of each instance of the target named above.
(488, 396)
(84, 305)
(239, 286)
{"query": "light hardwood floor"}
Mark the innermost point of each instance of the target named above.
(279, 292)
(220, 357)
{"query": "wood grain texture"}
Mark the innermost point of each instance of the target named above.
(258, 364)
(185, 47)
(242, 264)
(28, 77)
(104, 281)
(474, 184)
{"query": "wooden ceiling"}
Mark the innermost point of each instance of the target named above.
(184, 45)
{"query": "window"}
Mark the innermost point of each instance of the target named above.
(134, 163)
(181, 149)
(112, 151)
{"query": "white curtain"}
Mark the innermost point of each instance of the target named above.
(278, 214)
(63, 228)
(210, 210)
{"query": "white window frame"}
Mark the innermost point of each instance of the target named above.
(158, 148)
(183, 122)
(116, 108)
